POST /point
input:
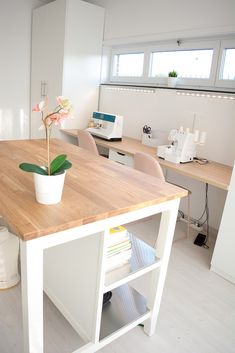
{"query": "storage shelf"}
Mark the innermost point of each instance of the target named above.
(143, 260)
(125, 306)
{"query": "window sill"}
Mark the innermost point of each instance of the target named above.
(177, 88)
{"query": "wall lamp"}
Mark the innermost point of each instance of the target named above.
(218, 95)
(131, 89)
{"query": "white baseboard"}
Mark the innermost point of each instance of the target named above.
(222, 274)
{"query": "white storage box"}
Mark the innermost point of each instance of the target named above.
(9, 252)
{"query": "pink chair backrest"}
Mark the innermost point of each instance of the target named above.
(148, 164)
(86, 141)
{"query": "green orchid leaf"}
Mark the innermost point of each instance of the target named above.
(66, 165)
(33, 168)
(57, 163)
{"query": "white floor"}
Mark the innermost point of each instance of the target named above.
(197, 314)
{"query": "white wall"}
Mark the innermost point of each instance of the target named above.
(164, 110)
(130, 18)
(133, 21)
(15, 39)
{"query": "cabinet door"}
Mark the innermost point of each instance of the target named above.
(47, 58)
(82, 60)
(223, 261)
(66, 59)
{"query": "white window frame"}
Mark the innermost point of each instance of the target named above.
(214, 45)
(126, 79)
(214, 81)
(228, 43)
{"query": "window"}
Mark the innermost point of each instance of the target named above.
(229, 65)
(226, 72)
(187, 63)
(128, 65)
(199, 63)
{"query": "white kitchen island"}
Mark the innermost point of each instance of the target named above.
(70, 240)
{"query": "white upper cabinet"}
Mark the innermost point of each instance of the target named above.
(66, 59)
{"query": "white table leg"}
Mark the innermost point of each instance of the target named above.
(32, 295)
(163, 249)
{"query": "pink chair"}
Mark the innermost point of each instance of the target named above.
(86, 141)
(149, 165)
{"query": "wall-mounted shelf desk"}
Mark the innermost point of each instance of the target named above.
(69, 240)
(213, 173)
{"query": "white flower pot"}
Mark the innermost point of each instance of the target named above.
(49, 188)
(172, 81)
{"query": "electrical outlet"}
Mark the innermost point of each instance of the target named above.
(196, 227)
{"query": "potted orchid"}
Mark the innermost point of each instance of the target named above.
(49, 179)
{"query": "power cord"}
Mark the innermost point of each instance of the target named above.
(207, 219)
(201, 239)
(200, 160)
(180, 215)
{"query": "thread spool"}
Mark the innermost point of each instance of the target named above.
(196, 135)
(202, 138)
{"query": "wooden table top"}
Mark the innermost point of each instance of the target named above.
(95, 188)
(213, 173)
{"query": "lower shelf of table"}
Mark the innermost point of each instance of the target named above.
(143, 260)
(125, 306)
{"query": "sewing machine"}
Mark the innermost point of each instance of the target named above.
(181, 150)
(106, 126)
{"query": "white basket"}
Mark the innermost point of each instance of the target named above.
(9, 251)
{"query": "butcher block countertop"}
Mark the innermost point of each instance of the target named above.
(96, 188)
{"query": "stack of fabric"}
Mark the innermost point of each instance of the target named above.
(119, 248)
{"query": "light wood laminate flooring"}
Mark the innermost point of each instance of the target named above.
(197, 313)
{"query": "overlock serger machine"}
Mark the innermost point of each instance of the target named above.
(106, 126)
(183, 146)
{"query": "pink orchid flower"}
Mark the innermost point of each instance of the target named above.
(62, 111)
(39, 107)
(60, 100)
(64, 103)
(54, 119)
